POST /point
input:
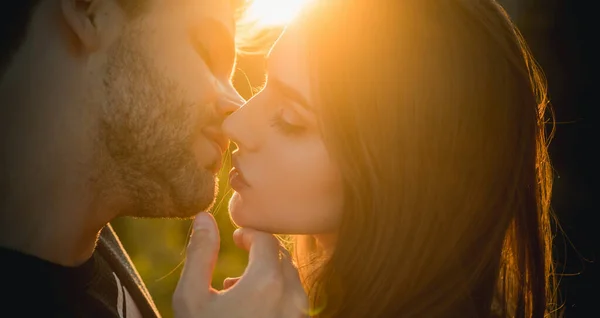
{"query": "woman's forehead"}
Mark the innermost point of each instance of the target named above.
(288, 63)
(290, 48)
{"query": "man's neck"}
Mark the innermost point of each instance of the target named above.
(62, 229)
(49, 206)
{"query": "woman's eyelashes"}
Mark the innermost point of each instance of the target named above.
(284, 125)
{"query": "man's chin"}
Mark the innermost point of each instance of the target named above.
(183, 199)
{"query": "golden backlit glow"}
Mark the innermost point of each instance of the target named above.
(274, 12)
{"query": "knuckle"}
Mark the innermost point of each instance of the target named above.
(203, 235)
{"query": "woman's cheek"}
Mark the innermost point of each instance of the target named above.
(262, 207)
(305, 206)
(313, 203)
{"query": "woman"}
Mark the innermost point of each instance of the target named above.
(403, 144)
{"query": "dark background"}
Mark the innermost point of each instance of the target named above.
(562, 36)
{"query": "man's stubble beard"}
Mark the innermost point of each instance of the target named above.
(145, 139)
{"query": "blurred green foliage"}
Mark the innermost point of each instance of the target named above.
(157, 246)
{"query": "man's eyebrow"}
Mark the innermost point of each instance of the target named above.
(289, 92)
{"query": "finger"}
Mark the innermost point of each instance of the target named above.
(263, 274)
(296, 296)
(289, 269)
(263, 248)
(229, 282)
(202, 253)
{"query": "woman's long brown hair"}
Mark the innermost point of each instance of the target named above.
(436, 113)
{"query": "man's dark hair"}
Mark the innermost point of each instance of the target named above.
(16, 17)
(14, 24)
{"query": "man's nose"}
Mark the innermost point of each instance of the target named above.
(229, 102)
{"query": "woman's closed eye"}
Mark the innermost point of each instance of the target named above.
(287, 122)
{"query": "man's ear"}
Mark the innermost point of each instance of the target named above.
(80, 16)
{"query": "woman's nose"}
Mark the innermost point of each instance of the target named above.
(245, 127)
(240, 127)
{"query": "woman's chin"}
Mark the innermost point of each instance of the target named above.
(242, 216)
(236, 209)
(242, 219)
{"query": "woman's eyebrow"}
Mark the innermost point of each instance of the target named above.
(289, 92)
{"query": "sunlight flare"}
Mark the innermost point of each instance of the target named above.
(274, 12)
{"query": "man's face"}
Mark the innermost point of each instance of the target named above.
(164, 93)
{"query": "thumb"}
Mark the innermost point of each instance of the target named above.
(202, 253)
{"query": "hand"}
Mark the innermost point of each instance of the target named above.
(269, 288)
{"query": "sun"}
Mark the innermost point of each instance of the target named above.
(274, 12)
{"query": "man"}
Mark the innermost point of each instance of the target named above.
(113, 108)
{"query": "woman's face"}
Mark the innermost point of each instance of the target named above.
(284, 178)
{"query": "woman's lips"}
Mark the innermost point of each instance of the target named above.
(236, 178)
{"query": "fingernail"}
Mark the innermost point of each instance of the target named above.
(202, 221)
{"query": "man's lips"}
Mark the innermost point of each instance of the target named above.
(217, 137)
(219, 142)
